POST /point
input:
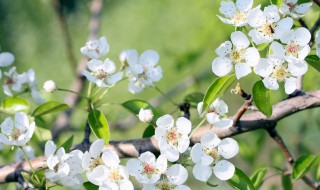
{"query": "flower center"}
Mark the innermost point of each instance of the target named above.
(56, 167)
(9, 81)
(214, 154)
(100, 74)
(291, 6)
(148, 169)
(165, 186)
(267, 30)
(96, 162)
(280, 73)
(240, 17)
(173, 136)
(236, 56)
(15, 134)
(115, 175)
(293, 49)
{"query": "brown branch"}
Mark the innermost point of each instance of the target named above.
(248, 122)
(313, 30)
(242, 110)
(317, 2)
(78, 85)
(278, 139)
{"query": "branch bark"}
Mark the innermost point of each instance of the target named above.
(133, 148)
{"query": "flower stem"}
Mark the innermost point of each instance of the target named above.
(27, 159)
(164, 95)
(195, 129)
(71, 91)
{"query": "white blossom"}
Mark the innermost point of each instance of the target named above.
(50, 86)
(172, 137)
(210, 154)
(176, 175)
(238, 53)
(145, 115)
(102, 73)
(6, 59)
(19, 157)
(13, 81)
(141, 71)
(290, 7)
(95, 49)
(235, 13)
(267, 25)
(32, 81)
(215, 113)
(17, 132)
(147, 169)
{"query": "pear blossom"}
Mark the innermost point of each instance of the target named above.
(92, 158)
(238, 53)
(267, 25)
(95, 49)
(317, 39)
(13, 81)
(19, 157)
(102, 73)
(176, 175)
(290, 7)
(172, 137)
(32, 81)
(6, 59)
(210, 154)
(235, 13)
(145, 115)
(141, 71)
(50, 86)
(17, 132)
(147, 169)
(213, 115)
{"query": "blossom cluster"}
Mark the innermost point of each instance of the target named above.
(141, 71)
(288, 47)
(14, 83)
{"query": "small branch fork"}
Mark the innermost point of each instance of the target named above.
(248, 102)
(284, 149)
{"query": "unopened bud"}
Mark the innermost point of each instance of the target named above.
(145, 115)
(49, 86)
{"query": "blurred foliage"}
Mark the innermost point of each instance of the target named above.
(184, 32)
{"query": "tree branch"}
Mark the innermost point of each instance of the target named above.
(133, 147)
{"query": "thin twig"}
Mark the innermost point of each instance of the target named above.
(313, 30)
(317, 2)
(248, 102)
(278, 139)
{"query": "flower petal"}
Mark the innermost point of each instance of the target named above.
(271, 13)
(302, 8)
(196, 153)
(165, 121)
(21, 121)
(7, 126)
(177, 174)
(227, 8)
(298, 68)
(6, 59)
(224, 123)
(183, 143)
(270, 83)
(302, 36)
(50, 148)
(149, 57)
(228, 148)
(202, 173)
(242, 70)
(221, 66)
(109, 66)
(244, 5)
(162, 163)
(290, 85)
(115, 78)
(224, 170)
(95, 64)
(210, 140)
(252, 56)
(224, 49)
(256, 18)
(212, 118)
(96, 148)
(264, 68)
(239, 40)
(278, 49)
(134, 167)
(110, 158)
(183, 125)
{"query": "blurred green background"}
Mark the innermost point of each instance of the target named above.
(185, 33)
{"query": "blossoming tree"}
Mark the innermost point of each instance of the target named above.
(270, 41)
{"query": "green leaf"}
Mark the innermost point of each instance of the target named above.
(318, 173)
(99, 125)
(261, 97)
(276, 2)
(314, 61)
(134, 106)
(257, 177)
(303, 165)
(194, 98)
(49, 107)
(263, 46)
(240, 181)
(90, 186)
(68, 144)
(211, 185)
(216, 88)
(148, 132)
(303, 1)
(286, 182)
(13, 105)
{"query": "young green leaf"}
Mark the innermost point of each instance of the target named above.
(261, 97)
(303, 165)
(303, 1)
(240, 181)
(148, 132)
(68, 144)
(49, 107)
(257, 177)
(276, 2)
(13, 105)
(99, 125)
(194, 98)
(286, 182)
(314, 61)
(134, 106)
(216, 88)
(90, 186)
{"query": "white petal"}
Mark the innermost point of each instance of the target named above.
(256, 18)
(130, 56)
(183, 125)
(115, 78)
(239, 40)
(298, 68)
(257, 37)
(206, 160)
(264, 68)
(226, 21)
(302, 36)
(37, 97)
(96, 148)
(149, 57)
(224, 170)
(125, 184)
(110, 158)
(278, 49)
(304, 52)
(49, 149)
(212, 117)
(183, 143)
(149, 187)
(284, 9)
(228, 148)
(171, 153)
(98, 175)
(228, 9)
(7, 126)
(202, 173)
(271, 13)
(21, 121)
(134, 167)
(210, 140)
(147, 157)
(221, 107)
(95, 64)
(224, 49)
(290, 85)
(289, 35)
(302, 8)
(196, 153)
(252, 56)
(244, 5)
(6, 59)
(270, 83)
(177, 174)
(223, 123)
(109, 66)
(199, 108)
(162, 163)
(283, 28)
(88, 75)
(4, 139)
(242, 70)
(166, 121)
(221, 66)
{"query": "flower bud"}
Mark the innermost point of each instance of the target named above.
(145, 115)
(49, 86)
